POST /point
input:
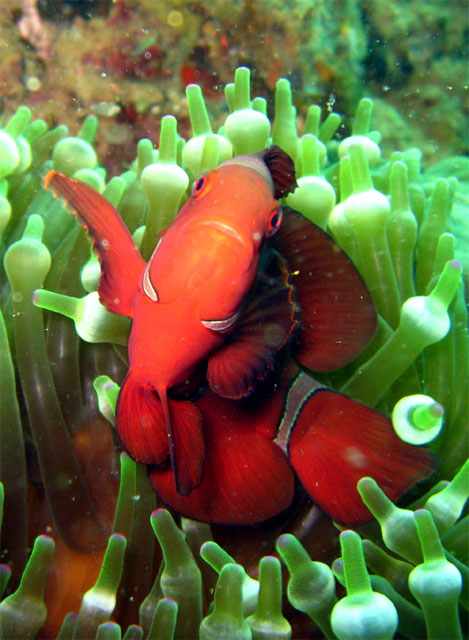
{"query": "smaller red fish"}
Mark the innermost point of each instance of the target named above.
(329, 442)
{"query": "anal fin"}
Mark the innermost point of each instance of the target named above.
(186, 442)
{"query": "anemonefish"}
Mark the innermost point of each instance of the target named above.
(232, 280)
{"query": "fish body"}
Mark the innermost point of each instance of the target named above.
(206, 306)
(183, 302)
(192, 287)
(189, 296)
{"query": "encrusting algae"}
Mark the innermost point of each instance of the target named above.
(95, 569)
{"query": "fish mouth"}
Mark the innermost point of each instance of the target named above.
(225, 229)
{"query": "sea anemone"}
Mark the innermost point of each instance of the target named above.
(403, 230)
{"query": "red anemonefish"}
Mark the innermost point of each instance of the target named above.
(227, 286)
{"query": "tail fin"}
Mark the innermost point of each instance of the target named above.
(186, 442)
(336, 441)
(140, 422)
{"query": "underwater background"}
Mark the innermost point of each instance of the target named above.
(87, 548)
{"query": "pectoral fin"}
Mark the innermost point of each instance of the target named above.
(266, 323)
(338, 317)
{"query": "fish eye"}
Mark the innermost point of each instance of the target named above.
(199, 185)
(275, 221)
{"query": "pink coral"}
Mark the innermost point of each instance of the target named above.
(32, 29)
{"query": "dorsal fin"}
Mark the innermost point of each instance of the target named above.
(282, 170)
(121, 263)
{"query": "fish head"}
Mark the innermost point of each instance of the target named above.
(240, 197)
(237, 202)
(216, 238)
